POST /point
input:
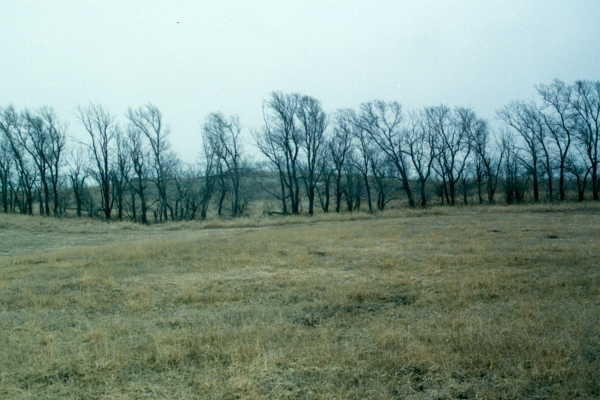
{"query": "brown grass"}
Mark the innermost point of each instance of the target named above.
(489, 303)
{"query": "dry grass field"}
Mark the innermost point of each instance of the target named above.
(464, 303)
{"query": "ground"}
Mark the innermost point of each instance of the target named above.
(476, 302)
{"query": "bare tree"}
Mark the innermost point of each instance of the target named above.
(326, 172)
(383, 123)
(102, 129)
(586, 109)
(280, 141)
(186, 199)
(382, 169)
(120, 173)
(578, 166)
(14, 128)
(207, 169)
(57, 143)
(559, 118)
(77, 166)
(487, 164)
(140, 160)
(34, 140)
(363, 155)
(149, 121)
(5, 173)
(340, 146)
(352, 183)
(421, 149)
(223, 135)
(45, 142)
(540, 131)
(188, 194)
(514, 184)
(267, 142)
(449, 150)
(521, 117)
(479, 143)
(453, 131)
(222, 185)
(313, 122)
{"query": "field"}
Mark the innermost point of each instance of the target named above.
(464, 303)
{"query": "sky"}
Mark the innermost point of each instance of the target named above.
(191, 58)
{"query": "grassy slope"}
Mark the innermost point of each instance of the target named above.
(468, 303)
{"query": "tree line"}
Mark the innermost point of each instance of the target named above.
(304, 159)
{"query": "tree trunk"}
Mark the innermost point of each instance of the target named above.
(368, 189)
(422, 183)
(561, 182)
(595, 189)
(536, 186)
(338, 192)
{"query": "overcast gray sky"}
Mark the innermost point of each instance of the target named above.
(194, 57)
